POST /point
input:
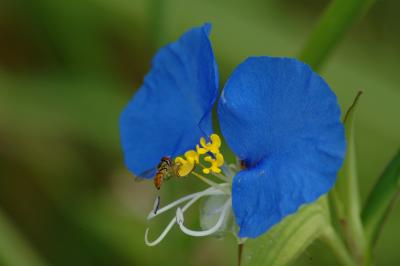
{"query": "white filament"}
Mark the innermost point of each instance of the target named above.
(179, 216)
(192, 199)
(208, 192)
(161, 237)
(180, 219)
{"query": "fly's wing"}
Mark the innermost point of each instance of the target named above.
(149, 174)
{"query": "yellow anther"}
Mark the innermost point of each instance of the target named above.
(199, 149)
(212, 146)
(187, 163)
(192, 156)
(186, 166)
(216, 163)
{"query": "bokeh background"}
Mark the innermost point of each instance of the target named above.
(67, 68)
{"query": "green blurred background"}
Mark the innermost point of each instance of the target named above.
(67, 68)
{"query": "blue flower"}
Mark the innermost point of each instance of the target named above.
(172, 109)
(279, 117)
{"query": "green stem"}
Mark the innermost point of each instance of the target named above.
(240, 252)
(381, 200)
(346, 191)
(332, 26)
(331, 238)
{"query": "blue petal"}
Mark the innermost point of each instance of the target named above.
(172, 109)
(283, 120)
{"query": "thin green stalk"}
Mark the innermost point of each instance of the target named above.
(240, 252)
(332, 26)
(331, 238)
(346, 192)
(205, 180)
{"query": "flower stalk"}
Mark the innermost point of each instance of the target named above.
(331, 238)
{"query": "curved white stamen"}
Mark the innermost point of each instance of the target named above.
(207, 192)
(179, 213)
(161, 237)
(194, 197)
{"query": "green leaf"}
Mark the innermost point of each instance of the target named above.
(14, 249)
(332, 26)
(288, 239)
(381, 199)
(345, 194)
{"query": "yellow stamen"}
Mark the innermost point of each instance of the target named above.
(216, 163)
(191, 158)
(185, 166)
(220, 176)
(212, 146)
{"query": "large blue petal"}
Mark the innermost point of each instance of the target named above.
(283, 120)
(172, 109)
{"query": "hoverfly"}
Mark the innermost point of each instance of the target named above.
(165, 170)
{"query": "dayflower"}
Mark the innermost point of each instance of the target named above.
(279, 117)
